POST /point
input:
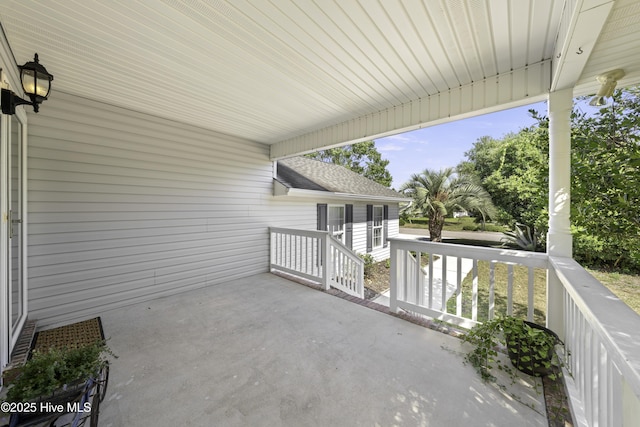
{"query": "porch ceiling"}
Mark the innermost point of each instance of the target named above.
(277, 72)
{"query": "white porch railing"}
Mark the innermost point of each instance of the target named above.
(428, 290)
(601, 333)
(602, 339)
(303, 253)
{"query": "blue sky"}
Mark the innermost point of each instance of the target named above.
(444, 145)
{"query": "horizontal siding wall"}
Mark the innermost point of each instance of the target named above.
(301, 213)
(125, 207)
(360, 230)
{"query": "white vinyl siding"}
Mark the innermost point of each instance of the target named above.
(125, 207)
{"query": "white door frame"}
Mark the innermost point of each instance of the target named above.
(9, 330)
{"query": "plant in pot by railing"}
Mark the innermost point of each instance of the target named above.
(530, 347)
(57, 369)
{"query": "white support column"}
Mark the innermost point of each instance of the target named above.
(559, 240)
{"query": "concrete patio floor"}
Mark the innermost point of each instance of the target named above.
(264, 351)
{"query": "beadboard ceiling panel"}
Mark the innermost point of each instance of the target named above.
(273, 70)
(618, 47)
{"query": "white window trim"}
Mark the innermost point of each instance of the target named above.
(377, 227)
(340, 235)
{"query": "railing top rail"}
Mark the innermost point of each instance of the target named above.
(530, 259)
(614, 322)
(299, 232)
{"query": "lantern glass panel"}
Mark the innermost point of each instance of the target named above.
(35, 83)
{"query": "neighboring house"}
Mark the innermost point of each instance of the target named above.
(359, 212)
(460, 214)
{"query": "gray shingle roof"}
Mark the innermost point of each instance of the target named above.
(308, 174)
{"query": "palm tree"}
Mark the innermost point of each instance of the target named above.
(437, 193)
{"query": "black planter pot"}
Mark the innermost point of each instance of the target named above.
(525, 356)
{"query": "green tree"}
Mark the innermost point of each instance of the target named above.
(605, 187)
(437, 194)
(362, 158)
(514, 170)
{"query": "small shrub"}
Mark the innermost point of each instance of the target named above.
(493, 227)
(369, 262)
(470, 227)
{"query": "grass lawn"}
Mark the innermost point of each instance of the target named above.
(520, 292)
(624, 286)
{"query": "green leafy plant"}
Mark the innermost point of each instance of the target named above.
(522, 236)
(530, 347)
(56, 368)
(369, 263)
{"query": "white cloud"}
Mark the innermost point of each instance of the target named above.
(408, 138)
(399, 137)
(390, 147)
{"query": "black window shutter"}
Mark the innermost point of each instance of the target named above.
(322, 217)
(369, 228)
(385, 225)
(348, 226)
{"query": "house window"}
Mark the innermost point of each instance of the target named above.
(335, 222)
(378, 235)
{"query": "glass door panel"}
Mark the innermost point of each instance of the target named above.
(15, 227)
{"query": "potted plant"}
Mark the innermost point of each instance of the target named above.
(58, 377)
(530, 347)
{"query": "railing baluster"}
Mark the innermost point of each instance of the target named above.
(530, 296)
(416, 277)
(404, 275)
(305, 255)
(588, 377)
(492, 283)
(459, 288)
(443, 297)
(430, 300)
(279, 248)
(510, 289)
(474, 292)
(297, 254)
(602, 378)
